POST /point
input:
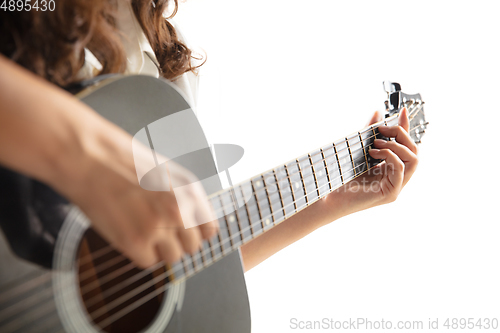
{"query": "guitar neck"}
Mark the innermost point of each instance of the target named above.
(255, 206)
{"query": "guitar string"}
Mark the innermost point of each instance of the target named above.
(221, 255)
(17, 323)
(116, 260)
(362, 145)
(203, 252)
(136, 291)
(240, 234)
(115, 303)
(199, 255)
(119, 300)
(32, 313)
(305, 195)
(145, 272)
(282, 179)
(223, 206)
(102, 250)
(336, 153)
(44, 277)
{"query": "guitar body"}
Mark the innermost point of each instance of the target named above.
(45, 236)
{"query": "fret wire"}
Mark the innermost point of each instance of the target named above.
(263, 202)
(302, 197)
(187, 266)
(197, 254)
(184, 267)
(192, 261)
(305, 204)
(314, 174)
(305, 194)
(219, 245)
(237, 214)
(335, 154)
(338, 163)
(363, 147)
(326, 168)
(268, 199)
(230, 215)
(286, 191)
(214, 246)
(303, 183)
(204, 256)
(275, 197)
(374, 137)
(283, 204)
(291, 188)
(279, 193)
(222, 229)
(345, 141)
(200, 263)
(350, 155)
(226, 221)
(250, 224)
(258, 206)
(345, 160)
(307, 177)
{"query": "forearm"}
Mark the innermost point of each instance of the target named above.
(379, 186)
(46, 132)
(333, 207)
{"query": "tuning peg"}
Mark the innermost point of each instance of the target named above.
(392, 104)
(391, 87)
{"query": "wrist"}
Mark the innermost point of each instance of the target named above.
(94, 149)
(340, 203)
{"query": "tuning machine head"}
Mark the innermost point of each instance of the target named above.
(393, 102)
(397, 100)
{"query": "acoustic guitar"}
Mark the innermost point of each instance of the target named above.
(58, 275)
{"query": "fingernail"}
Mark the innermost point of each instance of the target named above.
(374, 150)
(380, 142)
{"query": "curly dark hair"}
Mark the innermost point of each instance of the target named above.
(51, 43)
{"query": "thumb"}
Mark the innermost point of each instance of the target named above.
(404, 121)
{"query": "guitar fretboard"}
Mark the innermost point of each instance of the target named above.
(255, 206)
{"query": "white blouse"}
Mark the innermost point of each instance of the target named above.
(141, 58)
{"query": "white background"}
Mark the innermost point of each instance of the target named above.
(284, 77)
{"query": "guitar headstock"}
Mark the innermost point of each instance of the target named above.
(397, 100)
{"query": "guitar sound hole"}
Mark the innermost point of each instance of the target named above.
(118, 296)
